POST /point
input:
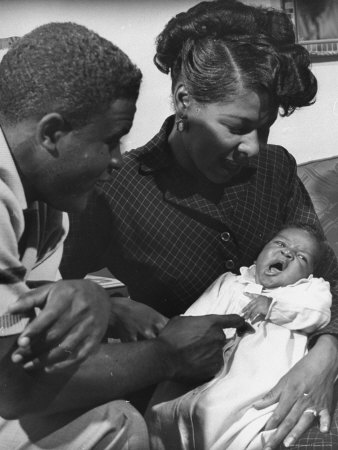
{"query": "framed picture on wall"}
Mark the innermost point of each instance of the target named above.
(316, 25)
(7, 42)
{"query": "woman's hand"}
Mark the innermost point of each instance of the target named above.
(71, 324)
(303, 394)
(258, 308)
(134, 321)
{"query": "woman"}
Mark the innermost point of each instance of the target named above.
(202, 195)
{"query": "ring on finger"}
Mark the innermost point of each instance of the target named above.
(311, 411)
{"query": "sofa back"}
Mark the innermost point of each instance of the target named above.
(320, 178)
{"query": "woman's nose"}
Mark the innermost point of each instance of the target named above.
(249, 144)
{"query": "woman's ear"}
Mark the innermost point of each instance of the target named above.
(49, 130)
(181, 99)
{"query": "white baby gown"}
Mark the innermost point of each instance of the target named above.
(219, 414)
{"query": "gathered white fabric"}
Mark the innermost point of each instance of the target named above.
(220, 415)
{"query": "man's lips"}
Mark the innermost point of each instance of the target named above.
(230, 165)
(104, 177)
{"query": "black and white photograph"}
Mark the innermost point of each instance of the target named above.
(168, 224)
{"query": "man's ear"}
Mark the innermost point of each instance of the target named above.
(49, 130)
(181, 99)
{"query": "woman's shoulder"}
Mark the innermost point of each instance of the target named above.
(275, 154)
(275, 161)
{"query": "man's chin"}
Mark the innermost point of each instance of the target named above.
(74, 204)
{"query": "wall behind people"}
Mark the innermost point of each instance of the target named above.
(133, 25)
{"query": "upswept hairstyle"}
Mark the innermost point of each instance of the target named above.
(220, 47)
(65, 68)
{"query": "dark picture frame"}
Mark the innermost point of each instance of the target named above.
(7, 42)
(316, 26)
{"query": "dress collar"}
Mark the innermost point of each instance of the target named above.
(247, 276)
(156, 155)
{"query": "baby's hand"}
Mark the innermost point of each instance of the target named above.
(257, 309)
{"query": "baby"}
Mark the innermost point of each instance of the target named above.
(284, 302)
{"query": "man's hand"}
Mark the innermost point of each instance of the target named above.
(134, 321)
(72, 322)
(193, 345)
(306, 388)
(258, 308)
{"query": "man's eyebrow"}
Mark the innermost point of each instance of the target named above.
(125, 129)
(118, 134)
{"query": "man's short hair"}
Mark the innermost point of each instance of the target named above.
(65, 68)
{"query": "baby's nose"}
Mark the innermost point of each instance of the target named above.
(286, 252)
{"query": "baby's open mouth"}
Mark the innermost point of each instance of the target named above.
(276, 267)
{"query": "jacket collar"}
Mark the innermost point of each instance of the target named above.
(156, 154)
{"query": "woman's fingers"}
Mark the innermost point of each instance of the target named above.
(290, 430)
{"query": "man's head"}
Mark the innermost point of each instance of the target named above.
(292, 254)
(67, 96)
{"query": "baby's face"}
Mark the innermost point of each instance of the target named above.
(287, 258)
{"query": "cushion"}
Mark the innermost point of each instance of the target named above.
(320, 178)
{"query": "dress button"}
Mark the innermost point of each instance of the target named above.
(225, 236)
(229, 264)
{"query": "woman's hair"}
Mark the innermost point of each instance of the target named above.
(65, 68)
(219, 48)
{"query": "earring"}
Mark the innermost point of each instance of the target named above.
(181, 124)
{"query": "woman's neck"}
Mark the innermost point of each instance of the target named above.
(178, 148)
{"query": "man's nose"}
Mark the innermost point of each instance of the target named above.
(115, 159)
(249, 144)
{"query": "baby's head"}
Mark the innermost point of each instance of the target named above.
(293, 253)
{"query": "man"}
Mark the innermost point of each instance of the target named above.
(67, 96)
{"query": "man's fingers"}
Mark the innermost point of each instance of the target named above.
(228, 320)
(29, 300)
(54, 350)
(72, 355)
(65, 354)
(38, 325)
